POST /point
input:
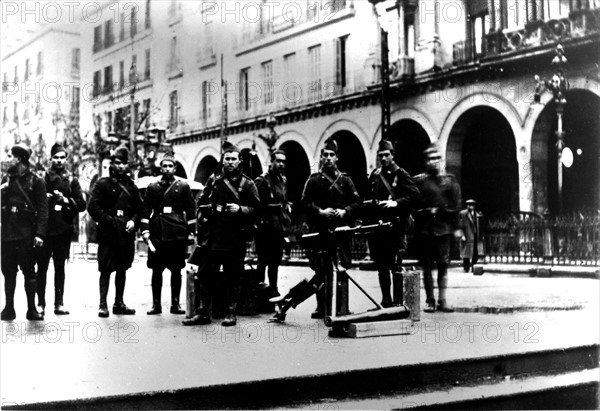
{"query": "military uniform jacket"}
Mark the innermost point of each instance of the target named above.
(274, 207)
(227, 231)
(61, 215)
(23, 219)
(403, 190)
(443, 193)
(168, 211)
(111, 206)
(336, 191)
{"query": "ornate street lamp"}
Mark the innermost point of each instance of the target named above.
(558, 85)
(271, 138)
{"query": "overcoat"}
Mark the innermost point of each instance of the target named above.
(470, 227)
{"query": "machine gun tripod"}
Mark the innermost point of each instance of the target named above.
(323, 242)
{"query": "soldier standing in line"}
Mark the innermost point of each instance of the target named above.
(274, 219)
(115, 205)
(393, 195)
(24, 224)
(227, 209)
(331, 201)
(436, 221)
(65, 201)
(168, 219)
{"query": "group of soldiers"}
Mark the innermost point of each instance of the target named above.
(37, 224)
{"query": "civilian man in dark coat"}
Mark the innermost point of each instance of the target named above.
(436, 221)
(331, 201)
(274, 220)
(393, 194)
(24, 224)
(115, 205)
(65, 201)
(471, 246)
(168, 218)
(233, 202)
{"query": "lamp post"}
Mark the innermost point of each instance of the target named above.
(271, 138)
(133, 81)
(558, 85)
(385, 70)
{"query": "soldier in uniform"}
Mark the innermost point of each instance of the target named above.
(228, 206)
(168, 218)
(24, 224)
(65, 201)
(115, 205)
(436, 220)
(331, 201)
(392, 195)
(274, 219)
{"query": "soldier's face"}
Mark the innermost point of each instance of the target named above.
(167, 168)
(119, 165)
(231, 161)
(279, 163)
(328, 158)
(385, 157)
(59, 160)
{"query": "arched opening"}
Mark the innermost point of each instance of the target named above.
(180, 170)
(297, 169)
(581, 125)
(481, 153)
(352, 159)
(251, 163)
(410, 141)
(207, 166)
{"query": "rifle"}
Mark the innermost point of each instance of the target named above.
(315, 240)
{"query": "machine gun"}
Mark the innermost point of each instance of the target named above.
(304, 289)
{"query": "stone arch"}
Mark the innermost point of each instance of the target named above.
(205, 168)
(418, 116)
(207, 150)
(410, 141)
(344, 125)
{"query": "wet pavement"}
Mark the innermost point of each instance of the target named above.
(82, 356)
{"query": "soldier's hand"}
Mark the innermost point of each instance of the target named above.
(146, 235)
(38, 242)
(340, 213)
(389, 203)
(233, 207)
(129, 226)
(328, 213)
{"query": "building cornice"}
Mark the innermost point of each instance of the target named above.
(36, 37)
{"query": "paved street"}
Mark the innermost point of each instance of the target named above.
(83, 356)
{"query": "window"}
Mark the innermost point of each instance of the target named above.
(133, 20)
(109, 121)
(206, 92)
(173, 110)
(147, 65)
(40, 64)
(5, 81)
(121, 74)
(16, 77)
(5, 116)
(291, 92)
(108, 83)
(75, 102)
(27, 73)
(97, 83)
(267, 74)
(556, 9)
(244, 84)
(479, 28)
(174, 61)
(147, 23)
(109, 38)
(133, 70)
(122, 28)
(97, 38)
(147, 113)
(340, 63)
(409, 34)
(314, 87)
(208, 51)
(75, 59)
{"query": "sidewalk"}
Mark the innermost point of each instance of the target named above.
(82, 356)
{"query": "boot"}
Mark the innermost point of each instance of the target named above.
(175, 291)
(319, 313)
(104, 284)
(41, 303)
(59, 309)
(32, 313)
(119, 308)
(8, 314)
(385, 284)
(156, 299)
(201, 317)
(230, 320)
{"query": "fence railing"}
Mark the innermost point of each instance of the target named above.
(529, 238)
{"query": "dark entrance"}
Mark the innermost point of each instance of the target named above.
(206, 167)
(410, 140)
(352, 159)
(297, 170)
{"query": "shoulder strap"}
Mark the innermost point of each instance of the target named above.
(166, 191)
(387, 186)
(231, 188)
(334, 182)
(27, 199)
(124, 189)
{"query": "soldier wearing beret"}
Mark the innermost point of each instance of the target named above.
(436, 220)
(227, 207)
(392, 194)
(274, 218)
(331, 200)
(24, 224)
(115, 205)
(65, 201)
(168, 218)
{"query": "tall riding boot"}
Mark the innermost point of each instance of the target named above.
(385, 284)
(320, 310)
(119, 306)
(201, 294)
(59, 287)
(156, 292)
(175, 291)
(104, 284)
(30, 290)
(442, 286)
(59, 308)
(10, 282)
(273, 273)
